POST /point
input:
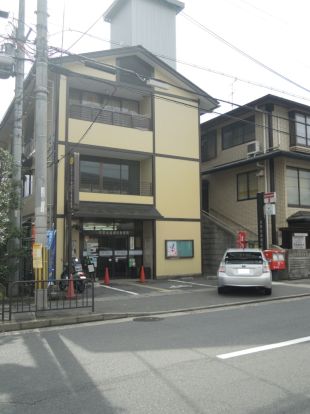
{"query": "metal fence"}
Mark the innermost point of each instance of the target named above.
(40, 296)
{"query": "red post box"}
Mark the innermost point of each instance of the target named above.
(276, 259)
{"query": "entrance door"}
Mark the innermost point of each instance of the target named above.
(113, 254)
(120, 256)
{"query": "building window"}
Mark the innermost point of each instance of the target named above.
(208, 146)
(110, 176)
(300, 129)
(27, 185)
(238, 133)
(298, 187)
(247, 187)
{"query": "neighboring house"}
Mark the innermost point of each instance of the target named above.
(260, 147)
(123, 162)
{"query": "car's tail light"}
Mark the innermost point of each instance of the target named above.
(266, 267)
(222, 268)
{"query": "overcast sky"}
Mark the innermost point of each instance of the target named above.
(274, 33)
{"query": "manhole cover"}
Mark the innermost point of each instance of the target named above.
(147, 319)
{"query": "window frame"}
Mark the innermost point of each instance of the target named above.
(293, 128)
(298, 186)
(208, 137)
(247, 175)
(234, 129)
(133, 168)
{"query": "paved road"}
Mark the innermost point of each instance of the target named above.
(180, 363)
(129, 297)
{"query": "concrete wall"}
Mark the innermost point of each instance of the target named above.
(298, 264)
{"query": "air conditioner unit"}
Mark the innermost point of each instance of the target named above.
(253, 148)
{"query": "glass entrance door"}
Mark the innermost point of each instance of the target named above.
(113, 254)
(120, 256)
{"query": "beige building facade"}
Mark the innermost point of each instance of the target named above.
(261, 147)
(123, 163)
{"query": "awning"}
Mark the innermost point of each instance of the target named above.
(117, 211)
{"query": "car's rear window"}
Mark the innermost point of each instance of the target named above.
(244, 257)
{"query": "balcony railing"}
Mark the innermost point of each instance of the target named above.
(142, 189)
(111, 117)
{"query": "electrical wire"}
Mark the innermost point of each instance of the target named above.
(240, 51)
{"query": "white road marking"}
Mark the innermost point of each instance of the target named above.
(190, 283)
(120, 290)
(264, 348)
(177, 286)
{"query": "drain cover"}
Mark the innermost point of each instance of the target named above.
(147, 319)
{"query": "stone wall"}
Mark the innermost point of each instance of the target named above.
(298, 264)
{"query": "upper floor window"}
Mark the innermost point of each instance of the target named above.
(298, 187)
(208, 145)
(247, 187)
(110, 176)
(300, 129)
(238, 133)
(96, 100)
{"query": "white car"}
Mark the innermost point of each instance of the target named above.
(244, 268)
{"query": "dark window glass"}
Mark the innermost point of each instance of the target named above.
(244, 257)
(247, 186)
(208, 145)
(238, 133)
(110, 176)
(298, 187)
(90, 176)
(301, 130)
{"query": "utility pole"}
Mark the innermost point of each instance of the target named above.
(41, 137)
(18, 124)
(41, 124)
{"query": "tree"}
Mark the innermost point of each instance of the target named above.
(8, 203)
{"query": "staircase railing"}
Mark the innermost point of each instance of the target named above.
(230, 225)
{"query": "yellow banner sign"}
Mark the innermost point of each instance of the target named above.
(37, 256)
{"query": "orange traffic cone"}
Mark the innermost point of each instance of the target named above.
(70, 292)
(106, 276)
(142, 275)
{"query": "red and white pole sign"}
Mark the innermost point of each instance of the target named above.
(270, 197)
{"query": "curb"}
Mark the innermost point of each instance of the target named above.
(97, 317)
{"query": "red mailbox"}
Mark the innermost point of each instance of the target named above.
(276, 259)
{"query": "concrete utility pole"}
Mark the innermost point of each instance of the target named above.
(18, 121)
(41, 125)
(41, 268)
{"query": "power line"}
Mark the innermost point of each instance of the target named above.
(237, 49)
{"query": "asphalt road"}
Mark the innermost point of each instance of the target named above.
(252, 359)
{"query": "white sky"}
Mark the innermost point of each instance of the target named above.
(274, 32)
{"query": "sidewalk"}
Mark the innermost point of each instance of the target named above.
(157, 297)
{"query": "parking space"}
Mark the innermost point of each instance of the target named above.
(129, 288)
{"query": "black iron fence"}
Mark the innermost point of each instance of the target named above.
(40, 296)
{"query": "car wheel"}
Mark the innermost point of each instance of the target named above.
(221, 290)
(268, 291)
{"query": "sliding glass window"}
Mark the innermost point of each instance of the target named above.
(110, 176)
(298, 187)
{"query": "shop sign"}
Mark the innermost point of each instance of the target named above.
(37, 255)
(298, 242)
(135, 252)
(120, 252)
(105, 253)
